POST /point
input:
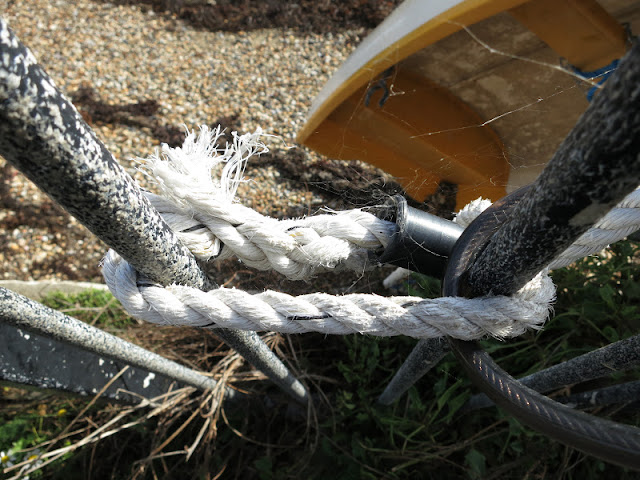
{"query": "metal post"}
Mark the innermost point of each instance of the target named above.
(616, 357)
(596, 166)
(43, 135)
(425, 355)
(31, 316)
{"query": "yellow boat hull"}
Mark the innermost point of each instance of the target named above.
(467, 92)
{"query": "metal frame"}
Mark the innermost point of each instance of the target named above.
(43, 135)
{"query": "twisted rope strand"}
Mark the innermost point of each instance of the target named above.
(319, 312)
(203, 214)
(297, 248)
(620, 222)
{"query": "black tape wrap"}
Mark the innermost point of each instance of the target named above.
(422, 241)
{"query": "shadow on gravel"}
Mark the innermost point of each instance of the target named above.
(232, 15)
(141, 114)
(22, 212)
(353, 183)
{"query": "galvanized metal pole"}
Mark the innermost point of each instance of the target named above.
(596, 166)
(31, 360)
(616, 357)
(425, 355)
(43, 135)
(26, 314)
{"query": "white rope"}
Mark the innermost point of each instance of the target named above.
(619, 223)
(470, 211)
(202, 211)
(319, 312)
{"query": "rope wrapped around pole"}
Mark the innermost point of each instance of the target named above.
(201, 210)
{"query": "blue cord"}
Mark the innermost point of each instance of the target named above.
(603, 72)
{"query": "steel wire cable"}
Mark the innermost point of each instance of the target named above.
(614, 442)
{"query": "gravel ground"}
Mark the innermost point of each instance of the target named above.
(138, 73)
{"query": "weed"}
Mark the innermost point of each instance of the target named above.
(93, 306)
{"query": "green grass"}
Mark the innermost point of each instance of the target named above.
(348, 436)
(96, 307)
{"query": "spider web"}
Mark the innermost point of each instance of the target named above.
(528, 95)
(524, 91)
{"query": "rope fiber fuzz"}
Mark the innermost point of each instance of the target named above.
(203, 213)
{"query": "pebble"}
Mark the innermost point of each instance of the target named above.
(128, 53)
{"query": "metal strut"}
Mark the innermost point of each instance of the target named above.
(43, 135)
(596, 166)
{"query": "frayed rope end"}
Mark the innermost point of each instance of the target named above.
(179, 172)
